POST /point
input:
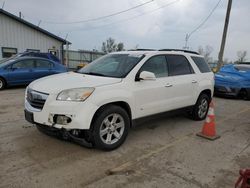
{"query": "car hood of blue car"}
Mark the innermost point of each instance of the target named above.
(237, 76)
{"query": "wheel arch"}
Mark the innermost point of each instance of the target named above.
(5, 81)
(208, 92)
(121, 104)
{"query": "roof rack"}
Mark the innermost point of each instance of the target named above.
(141, 49)
(180, 50)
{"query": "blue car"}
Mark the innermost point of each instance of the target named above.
(39, 54)
(233, 80)
(48, 56)
(24, 70)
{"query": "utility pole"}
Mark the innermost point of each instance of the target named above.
(186, 42)
(222, 47)
(67, 52)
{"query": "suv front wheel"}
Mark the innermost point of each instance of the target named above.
(110, 127)
(200, 109)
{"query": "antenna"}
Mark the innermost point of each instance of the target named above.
(40, 21)
(3, 4)
(186, 42)
(66, 36)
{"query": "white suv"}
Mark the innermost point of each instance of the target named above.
(97, 105)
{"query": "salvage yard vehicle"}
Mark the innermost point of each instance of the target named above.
(97, 105)
(23, 70)
(233, 80)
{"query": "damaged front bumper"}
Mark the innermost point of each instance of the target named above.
(77, 136)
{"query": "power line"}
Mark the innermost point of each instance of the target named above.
(101, 17)
(128, 19)
(202, 23)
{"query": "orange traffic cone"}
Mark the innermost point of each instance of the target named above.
(208, 130)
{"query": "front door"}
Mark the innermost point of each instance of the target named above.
(21, 72)
(153, 96)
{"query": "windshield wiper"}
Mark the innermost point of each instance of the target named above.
(94, 73)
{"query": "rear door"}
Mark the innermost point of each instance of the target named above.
(153, 96)
(43, 68)
(22, 72)
(185, 82)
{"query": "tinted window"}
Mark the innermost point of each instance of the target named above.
(24, 64)
(178, 65)
(43, 64)
(157, 65)
(201, 64)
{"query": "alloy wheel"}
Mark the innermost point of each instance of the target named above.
(112, 128)
(203, 107)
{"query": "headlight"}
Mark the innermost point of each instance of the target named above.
(77, 94)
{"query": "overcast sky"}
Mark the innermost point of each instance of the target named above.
(163, 28)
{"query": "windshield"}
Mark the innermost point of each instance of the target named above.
(242, 68)
(112, 65)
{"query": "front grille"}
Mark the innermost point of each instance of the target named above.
(36, 99)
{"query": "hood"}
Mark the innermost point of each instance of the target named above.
(230, 77)
(231, 73)
(57, 83)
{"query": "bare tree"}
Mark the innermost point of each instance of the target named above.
(120, 47)
(206, 52)
(110, 46)
(241, 56)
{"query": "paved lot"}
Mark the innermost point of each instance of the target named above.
(162, 152)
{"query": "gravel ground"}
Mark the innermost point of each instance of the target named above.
(160, 152)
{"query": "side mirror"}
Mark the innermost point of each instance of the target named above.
(145, 75)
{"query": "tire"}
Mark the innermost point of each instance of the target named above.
(243, 94)
(200, 109)
(110, 127)
(2, 83)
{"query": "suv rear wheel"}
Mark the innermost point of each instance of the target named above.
(200, 109)
(110, 127)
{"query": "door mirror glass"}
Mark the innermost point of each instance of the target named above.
(145, 75)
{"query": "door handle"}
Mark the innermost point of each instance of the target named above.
(168, 85)
(194, 81)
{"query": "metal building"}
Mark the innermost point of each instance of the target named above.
(18, 35)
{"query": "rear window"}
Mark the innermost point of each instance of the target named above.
(201, 64)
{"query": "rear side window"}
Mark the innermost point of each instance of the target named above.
(156, 65)
(178, 65)
(43, 64)
(24, 64)
(201, 64)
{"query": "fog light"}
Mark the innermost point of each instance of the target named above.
(62, 119)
